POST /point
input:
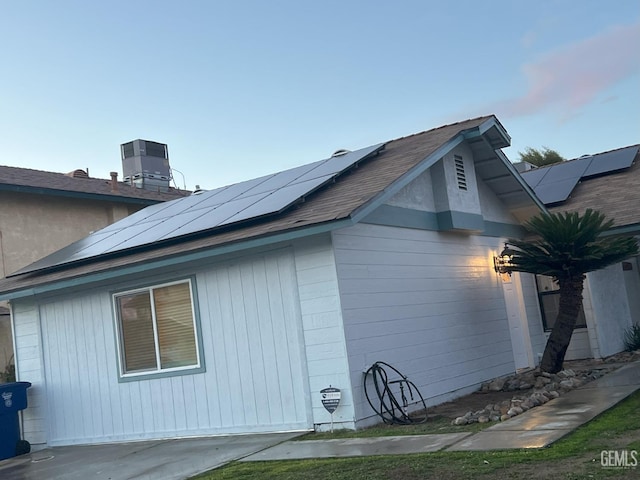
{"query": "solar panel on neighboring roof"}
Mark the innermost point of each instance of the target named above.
(206, 211)
(611, 161)
(555, 183)
(566, 171)
(556, 191)
(533, 177)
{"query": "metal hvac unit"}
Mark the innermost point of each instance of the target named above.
(145, 164)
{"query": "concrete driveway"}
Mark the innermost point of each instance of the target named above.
(153, 460)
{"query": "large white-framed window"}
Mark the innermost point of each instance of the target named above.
(157, 330)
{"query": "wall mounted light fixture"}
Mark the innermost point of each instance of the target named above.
(502, 263)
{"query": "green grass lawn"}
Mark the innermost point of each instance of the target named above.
(574, 457)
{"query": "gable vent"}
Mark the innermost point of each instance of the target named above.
(460, 175)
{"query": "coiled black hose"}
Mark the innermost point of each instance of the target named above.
(390, 409)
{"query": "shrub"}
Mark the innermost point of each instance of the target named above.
(632, 337)
(9, 373)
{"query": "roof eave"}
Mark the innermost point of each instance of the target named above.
(169, 261)
(525, 186)
(79, 195)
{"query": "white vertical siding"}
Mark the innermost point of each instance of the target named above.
(255, 377)
(425, 302)
(323, 329)
(28, 360)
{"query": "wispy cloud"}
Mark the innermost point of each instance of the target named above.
(567, 79)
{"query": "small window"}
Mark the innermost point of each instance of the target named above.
(549, 298)
(157, 329)
(461, 177)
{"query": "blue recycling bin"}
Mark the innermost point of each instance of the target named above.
(13, 398)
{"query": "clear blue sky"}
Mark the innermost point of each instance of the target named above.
(240, 88)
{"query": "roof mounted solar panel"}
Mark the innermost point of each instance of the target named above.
(279, 200)
(206, 211)
(71, 251)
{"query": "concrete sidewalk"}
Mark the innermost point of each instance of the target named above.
(535, 428)
(150, 460)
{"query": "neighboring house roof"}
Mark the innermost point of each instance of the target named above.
(615, 193)
(78, 184)
(347, 200)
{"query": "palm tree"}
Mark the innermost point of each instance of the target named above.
(566, 247)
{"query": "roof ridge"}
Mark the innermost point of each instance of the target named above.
(58, 181)
(587, 155)
(449, 125)
(25, 169)
(606, 151)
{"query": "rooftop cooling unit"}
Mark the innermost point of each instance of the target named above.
(145, 164)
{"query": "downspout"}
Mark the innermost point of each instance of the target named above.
(4, 273)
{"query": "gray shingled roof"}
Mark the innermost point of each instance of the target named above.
(340, 200)
(38, 181)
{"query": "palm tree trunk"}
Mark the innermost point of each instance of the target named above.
(570, 304)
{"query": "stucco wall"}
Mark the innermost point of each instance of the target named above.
(611, 312)
(447, 194)
(632, 283)
(32, 226)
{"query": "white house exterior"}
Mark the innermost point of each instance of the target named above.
(392, 261)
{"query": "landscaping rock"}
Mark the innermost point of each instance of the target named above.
(497, 385)
(542, 381)
(567, 384)
(512, 412)
(534, 388)
(460, 421)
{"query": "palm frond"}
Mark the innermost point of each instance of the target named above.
(569, 245)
